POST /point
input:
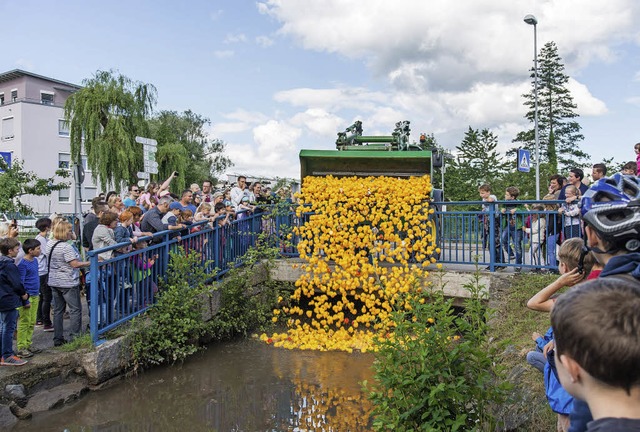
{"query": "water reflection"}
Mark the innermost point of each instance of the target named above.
(240, 386)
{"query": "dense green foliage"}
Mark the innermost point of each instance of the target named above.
(15, 183)
(436, 372)
(170, 330)
(184, 146)
(105, 117)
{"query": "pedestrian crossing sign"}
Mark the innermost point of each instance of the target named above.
(524, 160)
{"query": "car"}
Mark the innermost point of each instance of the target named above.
(24, 221)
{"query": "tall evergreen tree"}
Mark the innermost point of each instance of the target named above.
(105, 116)
(559, 132)
(477, 161)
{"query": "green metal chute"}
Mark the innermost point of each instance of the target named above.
(365, 156)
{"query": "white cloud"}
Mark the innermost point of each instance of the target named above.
(453, 45)
(318, 121)
(235, 38)
(215, 15)
(223, 54)
(274, 151)
(264, 41)
(588, 105)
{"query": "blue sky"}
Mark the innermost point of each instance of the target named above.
(276, 76)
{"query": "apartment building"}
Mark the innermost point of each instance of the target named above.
(33, 130)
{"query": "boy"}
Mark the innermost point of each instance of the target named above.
(575, 264)
(630, 168)
(28, 269)
(43, 316)
(513, 224)
(485, 193)
(597, 350)
(11, 292)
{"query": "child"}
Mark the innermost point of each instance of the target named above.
(630, 168)
(573, 257)
(28, 269)
(43, 315)
(11, 294)
(513, 224)
(571, 211)
(536, 234)
(143, 283)
(485, 193)
(554, 228)
(636, 148)
(597, 351)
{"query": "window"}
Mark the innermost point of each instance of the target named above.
(7, 128)
(64, 160)
(83, 161)
(14, 95)
(46, 98)
(89, 193)
(1, 98)
(63, 127)
(64, 195)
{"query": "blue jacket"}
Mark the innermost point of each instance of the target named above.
(621, 264)
(11, 288)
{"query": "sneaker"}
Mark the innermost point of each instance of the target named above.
(13, 361)
(518, 269)
(25, 353)
(48, 328)
(39, 323)
(501, 268)
(34, 350)
(57, 343)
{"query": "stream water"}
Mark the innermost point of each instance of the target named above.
(236, 386)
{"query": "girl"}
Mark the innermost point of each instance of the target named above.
(571, 211)
(536, 234)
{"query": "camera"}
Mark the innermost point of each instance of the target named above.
(176, 173)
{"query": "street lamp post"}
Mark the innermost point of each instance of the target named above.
(531, 20)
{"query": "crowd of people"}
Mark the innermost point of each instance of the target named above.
(545, 225)
(40, 278)
(589, 357)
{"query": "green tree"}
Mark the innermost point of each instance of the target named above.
(559, 132)
(105, 116)
(183, 143)
(477, 161)
(16, 183)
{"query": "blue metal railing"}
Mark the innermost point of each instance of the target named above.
(125, 285)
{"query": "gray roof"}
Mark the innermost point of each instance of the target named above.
(17, 73)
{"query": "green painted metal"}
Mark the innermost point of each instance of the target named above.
(364, 163)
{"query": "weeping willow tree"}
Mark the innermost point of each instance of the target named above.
(105, 116)
(173, 157)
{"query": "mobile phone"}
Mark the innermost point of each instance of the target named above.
(176, 173)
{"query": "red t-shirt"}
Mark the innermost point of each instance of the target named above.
(595, 274)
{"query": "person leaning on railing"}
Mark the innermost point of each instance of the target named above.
(64, 280)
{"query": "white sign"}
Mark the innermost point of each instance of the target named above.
(147, 141)
(143, 175)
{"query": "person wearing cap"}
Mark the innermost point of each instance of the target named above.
(170, 219)
(245, 208)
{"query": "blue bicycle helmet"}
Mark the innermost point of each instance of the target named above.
(611, 206)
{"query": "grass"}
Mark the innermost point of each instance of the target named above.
(83, 342)
(512, 327)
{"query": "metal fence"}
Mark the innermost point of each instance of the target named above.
(123, 283)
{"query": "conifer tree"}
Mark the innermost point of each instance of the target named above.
(477, 161)
(559, 132)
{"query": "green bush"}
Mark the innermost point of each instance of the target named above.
(436, 372)
(170, 330)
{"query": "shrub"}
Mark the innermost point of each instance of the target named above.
(436, 371)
